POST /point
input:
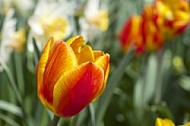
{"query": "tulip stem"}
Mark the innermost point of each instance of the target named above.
(55, 120)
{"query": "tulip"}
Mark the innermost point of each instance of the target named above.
(150, 33)
(171, 17)
(176, 4)
(163, 122)
(131, 35)
(70, 75)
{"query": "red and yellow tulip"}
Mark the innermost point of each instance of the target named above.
(171, 17)
(157, 23)
(70, 75)
(151, 35)
(131, 36)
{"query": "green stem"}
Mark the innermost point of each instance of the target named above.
(112, 83)
(158, 93)
(55, 120)
(92, 113)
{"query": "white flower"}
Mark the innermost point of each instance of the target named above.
(94, 19)
(23, 6)
(8, 30)
(50, 19)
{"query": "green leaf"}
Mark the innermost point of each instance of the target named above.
(36, 51)
(149, 85)
(113, 80)
(8, 120)
(184, 82)
(12, 108)
(92, 114)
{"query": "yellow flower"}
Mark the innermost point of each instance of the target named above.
(163, 122)
(187, 124)
(151, 35)
(18, 40)
(56, 27)
(100, 19)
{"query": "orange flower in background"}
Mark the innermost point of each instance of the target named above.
(70, 75)
(157, 23)
(162, 17)
(163, 122)
(151, 36)
(181, 14)
(176, 4)
(171, 17)
(131, 36)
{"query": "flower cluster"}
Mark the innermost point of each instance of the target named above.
(157, 23)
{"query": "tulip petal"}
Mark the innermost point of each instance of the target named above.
(97, 53)
(131, 34)
(55, 60)
(76, 43)
(41, 68)
(77, 88)
(86, 54)
(103, 62)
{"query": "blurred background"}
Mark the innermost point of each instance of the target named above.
(148, 42)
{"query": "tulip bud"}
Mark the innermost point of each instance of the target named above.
(70, 75)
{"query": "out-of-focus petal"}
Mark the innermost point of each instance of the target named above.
(187, 124)
(164, 122)
(181, 21)
(131, 36)
(150, 33)
(172, 17)
(99, 19)
(55, 27)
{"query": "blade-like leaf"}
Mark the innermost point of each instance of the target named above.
(12, 108)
